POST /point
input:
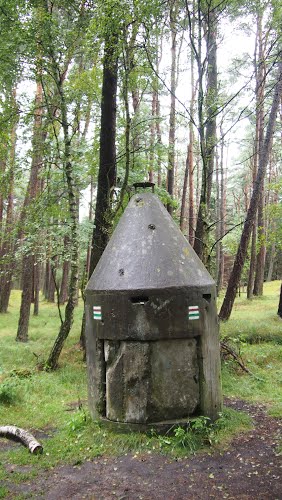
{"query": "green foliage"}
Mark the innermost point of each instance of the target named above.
(9, 392)
(3, 492)
(78, 421)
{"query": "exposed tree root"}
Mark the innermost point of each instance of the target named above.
(18, 434)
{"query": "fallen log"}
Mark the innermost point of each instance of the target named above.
(24, 437)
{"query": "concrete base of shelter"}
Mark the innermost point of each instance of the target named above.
(166, 427)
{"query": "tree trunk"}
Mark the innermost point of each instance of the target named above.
(240, 258)
(207, 128)
(261, 72)
(63, 297)
(66, 324)
(184, 193)
(279, 312)
(251, 278)
(52, 280)
(172, 115)
(36, 287)
(107, 168)
(260, 259)
(271, 262)
(152, 136)
(222, 216)
(7, 258)
(46, 279)
(32, 189)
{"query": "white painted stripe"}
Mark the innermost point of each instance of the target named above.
(96, 308)
(193, 308)
(194, 317)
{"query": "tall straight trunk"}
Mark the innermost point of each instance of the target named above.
(222, 216)
(152, 136)
(3, 164)
(172, 115)
(191, 230)
(107, 160)
(211, 100)
(52, 279)
(189, 167)
(46, 279)
(63, 296)
(159, 138)
(207, 128)
(261, 72)
(260, 260)
(7, 246)
(240, 258)
(32, 189)
(271, 262)
(184, 193)
(279, 312)
(36, 287)
(253, 253)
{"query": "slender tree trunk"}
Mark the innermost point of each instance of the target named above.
(52, 279)
(240, 258)
(251, 278)
(271, 262)
(36, 287)
(172, 116)
(73, 208)
(7, 258)
(184, 193)
(222, 216)
(63, 296)
(152, 136)
(260, 260)
(261, 73)
(46, 279)
(279, 312)
(207, 128)
(32, 189)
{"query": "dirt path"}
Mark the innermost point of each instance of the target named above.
(249, 470)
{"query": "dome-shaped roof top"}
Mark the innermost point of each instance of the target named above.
(147, 251)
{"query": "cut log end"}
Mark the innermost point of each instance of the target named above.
(24, 437)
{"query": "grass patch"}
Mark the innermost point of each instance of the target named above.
(256, 320)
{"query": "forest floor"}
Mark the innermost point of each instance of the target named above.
(251, 468)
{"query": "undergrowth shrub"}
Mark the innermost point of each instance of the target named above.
(9, 391)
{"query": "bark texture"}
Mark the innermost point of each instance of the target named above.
(107, 161)
(18, 434)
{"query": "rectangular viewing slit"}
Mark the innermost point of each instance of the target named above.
(207, 297)
(139, 300)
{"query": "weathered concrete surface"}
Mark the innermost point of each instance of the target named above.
(174, 379)
(153, 346)
(152, 381)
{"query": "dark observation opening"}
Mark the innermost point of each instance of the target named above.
(139, 300)
(207, 296)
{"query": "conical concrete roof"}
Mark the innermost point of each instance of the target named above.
(147, 251)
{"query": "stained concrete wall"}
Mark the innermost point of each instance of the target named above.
(151, 381)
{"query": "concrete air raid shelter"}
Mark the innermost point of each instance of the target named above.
(151, 325)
